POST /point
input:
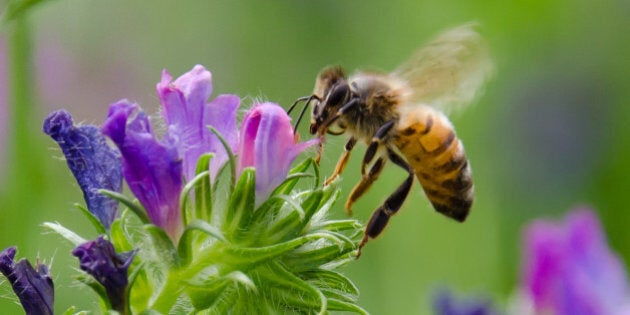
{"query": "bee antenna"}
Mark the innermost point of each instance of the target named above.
(308, 100)
(303, 98)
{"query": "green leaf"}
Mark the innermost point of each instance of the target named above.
(338, 295)
(338, 225)
(310, 206)
(336, 305)
(305, 259)
(185, 247)
(98, 288)
(292, 224)
(330, 279)
(231, 156)
(203, 191)
(134, 207)
(284, 227)
(293, 289)
(241, 205)
(69, 235)
(163, 246)
(199, 183)
(117, 234)
(204, 297)
(139, 286)
(100, 228)
(70, 311)
(242, 256)
(289, 183)
(295, 175)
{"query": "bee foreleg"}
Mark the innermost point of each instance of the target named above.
(365, 184)
(377, 139)
(380, 217)
(343, 160)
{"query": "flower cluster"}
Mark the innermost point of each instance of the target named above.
(220, 222)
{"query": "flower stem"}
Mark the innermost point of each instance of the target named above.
(169, 294)
(21, 86)
(24, 147)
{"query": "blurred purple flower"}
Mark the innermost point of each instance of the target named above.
(34, 287)
(188, 116)
(99, 259)
(569, 268)
(151, 168)
(446, 304)
(94, 164)
(268, 144)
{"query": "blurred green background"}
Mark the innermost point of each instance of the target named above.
(550, 133)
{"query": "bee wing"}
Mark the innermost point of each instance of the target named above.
(449, 72)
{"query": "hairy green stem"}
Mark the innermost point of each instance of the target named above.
(169, 293)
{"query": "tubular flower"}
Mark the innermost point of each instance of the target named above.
(268, 144)
(94, 164)
(569, 268)
(151, 168)
(99, 259)
(33, 286)
(188, 117)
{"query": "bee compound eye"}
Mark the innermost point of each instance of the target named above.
(338, 94)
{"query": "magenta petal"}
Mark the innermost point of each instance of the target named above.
(183, 99)
(268, 144)
(569, 268)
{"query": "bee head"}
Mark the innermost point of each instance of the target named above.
(333, 91)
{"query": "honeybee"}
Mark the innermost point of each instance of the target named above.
(399, 116)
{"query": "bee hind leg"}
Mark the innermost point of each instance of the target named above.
(380, 217)
(343, 161)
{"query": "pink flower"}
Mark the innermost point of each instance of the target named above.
(268, 144)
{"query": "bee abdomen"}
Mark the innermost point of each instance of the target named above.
(451, 194)
(439, 162)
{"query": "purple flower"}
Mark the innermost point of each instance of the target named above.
(569, 268)
(188, 116)
(446, 304)
(268, 144)
(99, 259)
(151, 168)
(33, 286)
(94, 164)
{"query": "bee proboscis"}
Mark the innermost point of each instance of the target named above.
(399, 116)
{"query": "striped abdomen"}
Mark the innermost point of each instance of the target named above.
(427, 139)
